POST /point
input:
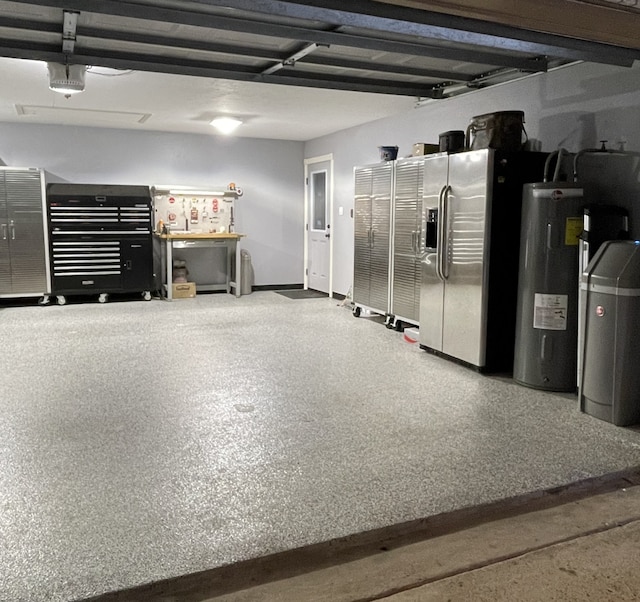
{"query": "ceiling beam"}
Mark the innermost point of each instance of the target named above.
(84, 32)
(28, 25)
(302, 34)
(270, 55)
(137, 37)
(163, 64)
(87, 33)
(292, 77)
(402, 17)
(388, 68)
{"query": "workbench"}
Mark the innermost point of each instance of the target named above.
(227, 242)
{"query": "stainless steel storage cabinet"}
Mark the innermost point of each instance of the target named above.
(24, 270)
(372, 232)
(407, 210)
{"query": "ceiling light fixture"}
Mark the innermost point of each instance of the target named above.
(226, 125)
(66, 79)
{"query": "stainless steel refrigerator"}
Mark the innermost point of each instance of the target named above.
(470, 244)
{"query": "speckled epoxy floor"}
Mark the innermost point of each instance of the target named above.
(141, 441)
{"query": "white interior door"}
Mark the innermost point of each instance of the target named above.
(318, 227)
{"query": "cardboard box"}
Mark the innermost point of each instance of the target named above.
(421, 148)
(183, 290)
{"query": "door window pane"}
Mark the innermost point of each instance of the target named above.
(319, 200)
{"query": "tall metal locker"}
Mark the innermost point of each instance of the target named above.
(407, 211)
(372, 233)
(24, 270)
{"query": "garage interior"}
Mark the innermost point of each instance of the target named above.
(145, 442)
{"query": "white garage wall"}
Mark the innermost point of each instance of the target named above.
(574, 107)
(270, 173)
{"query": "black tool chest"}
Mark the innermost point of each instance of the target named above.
(100, 240)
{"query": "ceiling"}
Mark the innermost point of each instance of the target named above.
(288, 70)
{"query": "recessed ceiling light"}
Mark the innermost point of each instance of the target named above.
(226, 125)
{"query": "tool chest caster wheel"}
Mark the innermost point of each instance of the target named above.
(61, 300)
(356, 312)
(44, 300)
(146, 296)
(103, 298)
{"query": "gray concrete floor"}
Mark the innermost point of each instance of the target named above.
(579, 550)
(143, 441)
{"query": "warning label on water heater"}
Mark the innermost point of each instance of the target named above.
(573, 230)
(550, 311)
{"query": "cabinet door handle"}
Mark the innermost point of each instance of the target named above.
(12, 228)
(4, 231)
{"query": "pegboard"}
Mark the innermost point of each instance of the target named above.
(193, 210)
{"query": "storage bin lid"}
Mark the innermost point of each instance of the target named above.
(615, 268)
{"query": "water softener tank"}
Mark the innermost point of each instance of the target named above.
(610, 380)
(547, 310)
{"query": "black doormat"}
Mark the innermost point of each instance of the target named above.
(300, 293)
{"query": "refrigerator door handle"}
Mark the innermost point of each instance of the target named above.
(444, 241)
(4, 231)
(12, 229)
(440, 235)
(369, 237)
(373, 238)
(413, 242)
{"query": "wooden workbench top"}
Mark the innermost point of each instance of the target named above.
(200, 235)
